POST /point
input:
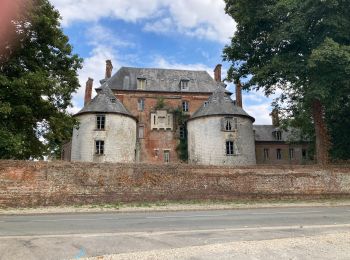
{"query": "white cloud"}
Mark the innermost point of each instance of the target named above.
(197, 18)
(260, 112)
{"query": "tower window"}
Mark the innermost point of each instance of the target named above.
(100, 122)
(229, 124)
(99, 147)
(229, 148)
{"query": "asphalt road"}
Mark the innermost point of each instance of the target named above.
(70, 236)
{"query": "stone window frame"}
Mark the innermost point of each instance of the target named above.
(184, 84)
(229, 124)
(99, 147)
(141, 134)
(185, 106)
(168, 120)
(230, 150)
(100, 122)
(141, 104)
(166, 155)
(141, 83)
(277, 135)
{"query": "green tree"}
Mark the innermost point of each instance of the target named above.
(299, 46)
(38, 74)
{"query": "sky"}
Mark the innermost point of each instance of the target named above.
(181, 34)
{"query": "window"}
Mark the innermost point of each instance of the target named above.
(141, 104)
(304, 153)
(182, 132)
(166, 156)
(206, 103)
(141, 131)
(161, 119)
(99, 147)
(156, 153)
(100, 122)
(291, 153)
(266, 154)
(229, 148)
(141, 83)
(184, 84)
(279, 154)
(277, 135)
(229, 124)
(185, 106)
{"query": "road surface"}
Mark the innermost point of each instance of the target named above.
(71, 236)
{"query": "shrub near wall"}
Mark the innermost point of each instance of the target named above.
(26, 184)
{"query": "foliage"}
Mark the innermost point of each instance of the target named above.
(38, 74)
(160, 103)
(299, 46)
(180, 120)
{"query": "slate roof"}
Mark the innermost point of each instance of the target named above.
(161, 80)
(105, 102)
(220, 103)
(264, 133)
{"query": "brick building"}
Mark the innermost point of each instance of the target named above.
(152, 108)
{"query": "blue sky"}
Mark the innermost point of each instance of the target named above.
(182, 34)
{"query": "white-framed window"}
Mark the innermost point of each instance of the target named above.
(229, 148)
(266, 154)
(141, 132)
(99, 147)
(141, 83)
(166, 156)
(100, 122)
(185, 106)
(184, 84)
(279, 154)
(277, 135)
(141, 104)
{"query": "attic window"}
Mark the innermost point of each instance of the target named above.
(141, 83)
(184, 84)
(277, 135)
(113, 100)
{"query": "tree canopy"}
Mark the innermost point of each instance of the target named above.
(299, 46)
(38, 74)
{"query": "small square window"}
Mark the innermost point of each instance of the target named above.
(100, 122)
(185, 106)
(99, 147)
(229, 148)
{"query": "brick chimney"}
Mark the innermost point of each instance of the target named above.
(239, 94)
(88, 91)
(275, 117)
(217, 73)
(109, 68)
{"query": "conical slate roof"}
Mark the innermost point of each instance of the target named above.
(105, 102)
(220, 103)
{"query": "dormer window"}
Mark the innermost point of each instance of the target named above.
(113, 100)
(184, 84)
(229, 124)
(141, 83)
(277, 135)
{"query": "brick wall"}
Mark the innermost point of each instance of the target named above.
(62, 183)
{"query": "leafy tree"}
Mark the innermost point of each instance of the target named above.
(299, 46)
(38, 74)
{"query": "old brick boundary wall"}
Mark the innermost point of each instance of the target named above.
(26, 184)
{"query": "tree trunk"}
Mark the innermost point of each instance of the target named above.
(322, 137)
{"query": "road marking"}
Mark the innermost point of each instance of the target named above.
(169, 232)
(221, 215)
(70, 219)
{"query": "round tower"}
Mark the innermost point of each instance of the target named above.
(106, 131)
(221, 133)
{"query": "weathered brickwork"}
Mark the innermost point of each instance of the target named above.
(25, 184)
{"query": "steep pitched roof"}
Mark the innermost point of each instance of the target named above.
(161, 80)
(220, 103)
(105, 102)
(264, 133)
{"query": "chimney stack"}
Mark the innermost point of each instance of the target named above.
(109, 68)
(275, 117)
(239, 94)
(88, 91)
(217, 73)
